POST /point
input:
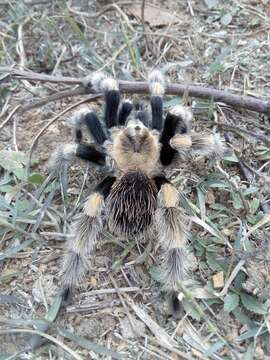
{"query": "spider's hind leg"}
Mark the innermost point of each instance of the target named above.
(172, 227)
(86, 232)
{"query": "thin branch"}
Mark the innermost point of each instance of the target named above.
(57, 96)
(135, 87)
(9, 116)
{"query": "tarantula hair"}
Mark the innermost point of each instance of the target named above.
(134, 145)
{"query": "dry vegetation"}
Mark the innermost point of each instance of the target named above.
(120, 312)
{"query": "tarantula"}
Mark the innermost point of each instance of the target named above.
(135, 198)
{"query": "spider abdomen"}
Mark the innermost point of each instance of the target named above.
(132, 203)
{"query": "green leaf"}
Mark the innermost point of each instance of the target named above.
(214, 348)
(54, 309)
(156, 273)
(238, 281)
(213, 263)
(218, 64)
(226, 19)
(211, 3)
(237, 202)
(201, 200)
(35, 178)
(252, 304)
(231, 158)
(242, 318)
(256, 331)
(254, 205)
(216, 183)
(249, 354)
(21, 174)
(231, 302)
(6, 188)
(253, 219)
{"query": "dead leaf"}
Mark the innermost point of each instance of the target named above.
(153, 16)
(218, 280)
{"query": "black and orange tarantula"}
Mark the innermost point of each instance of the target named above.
(135, 198)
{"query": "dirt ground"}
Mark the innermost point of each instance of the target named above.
(219, 44)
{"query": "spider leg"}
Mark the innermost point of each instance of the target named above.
(66, 153)
(157, 89)
(110, 89)
(124, 111)
(178, 120)
(95, 128)
(177, 137)
(86, 232)
(194, 145)
(172, 227)
(86, 116)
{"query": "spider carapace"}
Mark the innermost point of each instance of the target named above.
(134, 145)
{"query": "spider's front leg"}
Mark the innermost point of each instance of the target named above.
(86, 232)
(172, 227)
(192, 144)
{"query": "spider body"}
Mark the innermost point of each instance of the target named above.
(134, 198)
(132, 204)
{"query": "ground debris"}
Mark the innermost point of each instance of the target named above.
(258, 272)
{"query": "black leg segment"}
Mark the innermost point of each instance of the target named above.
(78, 135)
(90, 153)
(160, 180)
(94, 126)
(125, 110)
(157, 112)
(104, 187)
(167, 153)
(112, 99)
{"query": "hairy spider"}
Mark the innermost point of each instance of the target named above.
(135, 198)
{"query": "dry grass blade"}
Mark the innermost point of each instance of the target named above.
(48, 337)
(159, 333)
(161, 336)
(89, 345)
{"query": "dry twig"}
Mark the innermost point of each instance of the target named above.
(133, 87)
